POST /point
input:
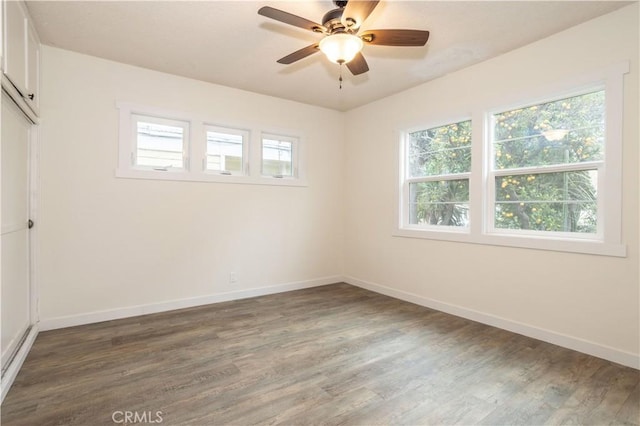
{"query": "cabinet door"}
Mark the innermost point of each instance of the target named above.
(15, 288)
(2, 36)
(33, 69)
(15, 61)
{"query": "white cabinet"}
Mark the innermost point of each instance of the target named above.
(21, 52)
(33, 68)
(1, 37)
(15, 51)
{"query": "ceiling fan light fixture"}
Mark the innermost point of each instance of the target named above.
(341, 48)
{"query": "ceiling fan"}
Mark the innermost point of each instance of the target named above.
(342, 44)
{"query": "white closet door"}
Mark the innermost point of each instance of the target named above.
(14, 214)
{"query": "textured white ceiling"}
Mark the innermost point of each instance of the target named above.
(228, 43)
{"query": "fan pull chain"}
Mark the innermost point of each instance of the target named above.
(340, 79)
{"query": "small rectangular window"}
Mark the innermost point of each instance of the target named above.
(546, 159)
(172, 145)
(278, 156)
(226, 150)
(160, 144)
(438, 164)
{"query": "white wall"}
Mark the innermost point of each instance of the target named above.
(583, 301)
(112, 244)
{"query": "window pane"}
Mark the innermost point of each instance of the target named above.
(566, 131)
(561, 202)
(159, 145)
(224, 151)
(277, 157)
(440, 150)
(443, 203)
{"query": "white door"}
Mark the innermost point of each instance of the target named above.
(15, 287)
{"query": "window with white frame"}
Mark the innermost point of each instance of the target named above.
(545, 165)
(160, 144)
(542, 174)
(226, 150)
(168, 145)
(278, 156)
(436, 185)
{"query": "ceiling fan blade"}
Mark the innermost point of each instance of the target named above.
(395, 37)
(299, 54)
(291, 19)
(358, 65)
(356, 11)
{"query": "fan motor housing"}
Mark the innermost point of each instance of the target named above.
(331, 20)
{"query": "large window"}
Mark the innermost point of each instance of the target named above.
(437, 175)
(542, 174)
(546, 161)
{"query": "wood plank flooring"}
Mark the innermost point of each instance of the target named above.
(330, 355)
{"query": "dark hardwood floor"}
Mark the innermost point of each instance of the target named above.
(329, 355)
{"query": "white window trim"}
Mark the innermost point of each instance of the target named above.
(246, 141)
(294, 154)
(491, 197)
(196, 151)
(405, 180)
(185, 125)
(609, 240)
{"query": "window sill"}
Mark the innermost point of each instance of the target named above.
(582, 246)
(206, 177)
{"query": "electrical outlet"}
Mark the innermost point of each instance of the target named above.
(233, 278)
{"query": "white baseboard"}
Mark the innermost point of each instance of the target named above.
(601, 351)
(605, 352)
(132, 311)
(17, 361)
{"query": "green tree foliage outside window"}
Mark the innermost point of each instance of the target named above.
(564, 132)
(435, 157)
